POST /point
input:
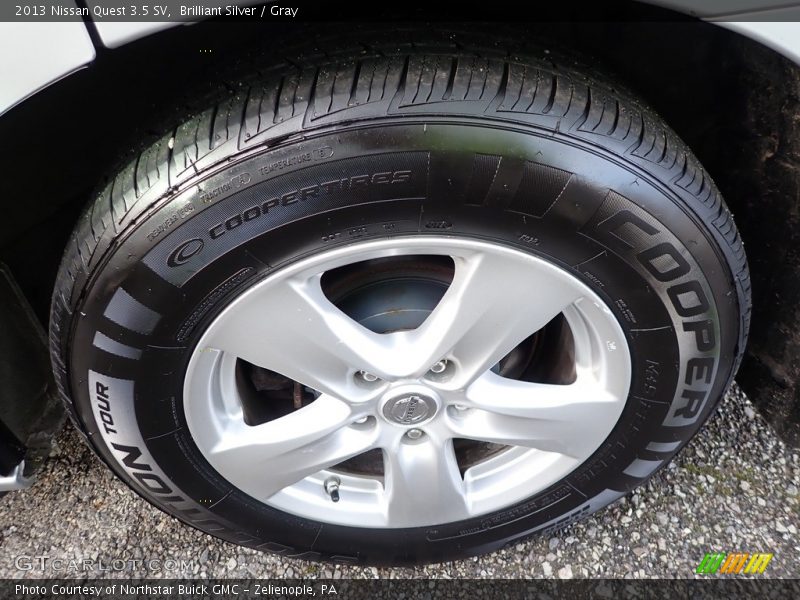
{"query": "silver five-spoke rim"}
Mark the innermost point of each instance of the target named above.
(408, 393)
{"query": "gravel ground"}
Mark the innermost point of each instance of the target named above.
(733, 489)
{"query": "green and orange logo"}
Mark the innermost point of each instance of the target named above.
(733, 563)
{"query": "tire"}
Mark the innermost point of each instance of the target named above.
(420, 147)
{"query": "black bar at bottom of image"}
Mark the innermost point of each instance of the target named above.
(427, 589)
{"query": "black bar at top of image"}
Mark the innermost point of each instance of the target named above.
(332, 10)
(409, 589)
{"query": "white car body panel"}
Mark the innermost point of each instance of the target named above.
(724, 9)
(783, 37)
(774, 23)
(114, 34)
(34, 55)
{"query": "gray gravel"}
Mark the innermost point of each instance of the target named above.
(734, 488)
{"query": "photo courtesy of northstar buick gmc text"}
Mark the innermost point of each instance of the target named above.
(392, 291)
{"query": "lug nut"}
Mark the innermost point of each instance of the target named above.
(414, 434)
(366, 376)
(332, 488)
(459, 407)
(362, 420)
(439, 367)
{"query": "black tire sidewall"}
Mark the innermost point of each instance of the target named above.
(602, 227)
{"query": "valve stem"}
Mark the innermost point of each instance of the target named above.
(367, 376)
(439, 367)
(332, 488)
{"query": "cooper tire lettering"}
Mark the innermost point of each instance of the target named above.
(629, 231)
(678, 268)
(308, 192)
(688, 298)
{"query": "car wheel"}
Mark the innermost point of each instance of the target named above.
(401, 306)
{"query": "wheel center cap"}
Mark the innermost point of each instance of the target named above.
(409, 408)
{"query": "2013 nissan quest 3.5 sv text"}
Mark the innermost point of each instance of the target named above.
(397, 291)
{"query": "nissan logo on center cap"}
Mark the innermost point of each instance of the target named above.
(409, 410)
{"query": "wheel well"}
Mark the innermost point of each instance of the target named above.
(734, 101)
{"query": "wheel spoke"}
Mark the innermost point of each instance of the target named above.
(296, 331)
(284, 451)
(491, 306)
(569, 419)
(422, 478)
